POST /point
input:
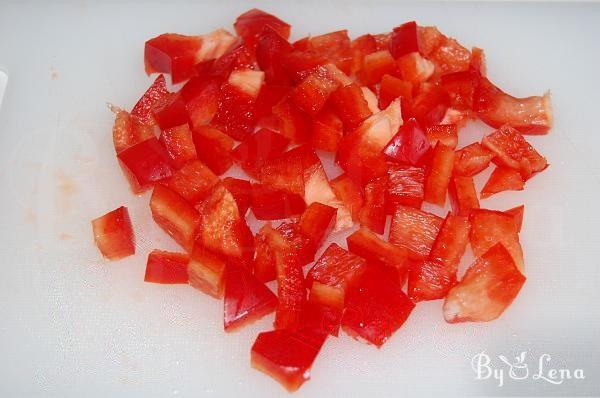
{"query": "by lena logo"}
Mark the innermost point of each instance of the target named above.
(522, 368)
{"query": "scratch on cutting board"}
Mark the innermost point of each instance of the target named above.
(67, 189)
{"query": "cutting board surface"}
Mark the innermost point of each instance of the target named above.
(73, 324)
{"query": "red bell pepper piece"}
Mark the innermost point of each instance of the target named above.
(350, 105)
(450, 57)
(463, 196)
(284, 172)
(376, 307)
(512, 150)
(430, 104)
(489, 227)
(438, 175)
(373, 215)
(264, 262)
(206, 271)
(327, 131)
(246, 299)
(471, 160)
(335, 48)
(447, 134)
(271, 48)
(451, 242)
(486, 290)
(300, 63)
(312, 93)
(166, 267)
(334, 273)
(404, 39)
(172, 53)
(414, 68)
(294, 124)
(223, 229)
(170, 111)
(155, 93)
(179, 144)
(460, 86)
(414, 230)
(478, 63)
(241, 191)
(174, 215)
(369, 246)
(235, 113)
(214, 148)
(391, 88)
(128, 130)
(361, 46)
(349, 193)
(247, 81)
(375, 66)
(145, 164)
(405, 186)
(193, 182)
(502, 179)
(236, 57)
(517, 214)
(252, 23)
(290, 285)
(317, 222)
(201, 97)
(319, 317)
(287, 355)
(531, 115)
(114, 235)
(258, 148)
(275, 204)
(409, 145)
(269, 96)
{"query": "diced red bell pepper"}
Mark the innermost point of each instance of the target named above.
(327, 131)
(414, 230)
(383, 40)
(241, 191)
(174, 215)
(252, 23)
(236, 57)
(463, 196)
(369, 246)
(349, 193)
(235, 113)
(214, 45)
(429, 39)
(298, 244)
(317, 316)
(512, 150)
(269, 96)
(430, 104)
(414, 68)
(335, 47)
(214, 148)
(193, 181)
(372, 215)
(300, 63)
(438, 175)
(223, 229)
(405, 186)
(450, 57)
(478, 63)
(201, 99)
(170, 111)
(128, 130)
(166, 267)
(114, 235)
(460, 86)
(145, 164)
(206, 271)
(447, 134)
(294, 124)
(375, 66)
(284, 172)
(350, 105)
(179, 144)
(471, 160)
(409, 145)
(391, 88)
(486, 290)
(502, 179)
(317, 222)
(248, 81)
(376, 307)
(287, 355)
(336, 271)
(246, 299)
(259, 147)
(290, 285)
(172, 53)
(312, 93)
(451, 242)
(531, 115)
(275, 204)
(264, 268)
(361, 46)
(155, 93)
(489, 227)
(517, 214)
(404, 39)
(271, 48)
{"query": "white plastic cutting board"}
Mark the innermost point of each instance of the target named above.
(72, 324)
